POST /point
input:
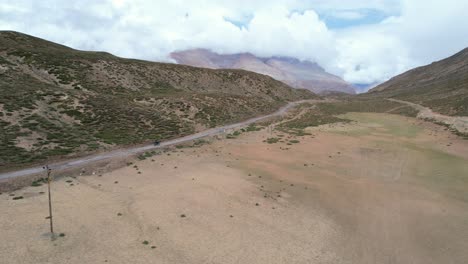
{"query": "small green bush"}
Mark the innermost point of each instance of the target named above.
(272, 140)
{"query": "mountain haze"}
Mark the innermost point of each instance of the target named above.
(298, 74)
(58, 101)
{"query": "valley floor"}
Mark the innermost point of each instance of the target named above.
(458, 123)
(382, 189)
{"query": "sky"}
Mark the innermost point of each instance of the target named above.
(364, 42)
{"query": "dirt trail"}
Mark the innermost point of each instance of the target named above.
(131, 151)
(460, 123)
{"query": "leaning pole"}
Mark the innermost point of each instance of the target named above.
(49, 179)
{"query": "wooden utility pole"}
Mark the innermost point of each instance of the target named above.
(49, 179)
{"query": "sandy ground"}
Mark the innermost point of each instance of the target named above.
(383, 189)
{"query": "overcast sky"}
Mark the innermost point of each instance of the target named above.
(363, 41)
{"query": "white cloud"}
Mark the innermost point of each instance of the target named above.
(416, 32)
(347, 14)
(368, 57)
(425, 31)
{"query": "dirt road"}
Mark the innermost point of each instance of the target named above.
(460, 123)
(131, 151)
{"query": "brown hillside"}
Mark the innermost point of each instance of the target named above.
(442, 85)
(57, 101)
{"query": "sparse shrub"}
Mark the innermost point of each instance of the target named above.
(253, 127)
(272, 140)
(39, 182)
(230, 136)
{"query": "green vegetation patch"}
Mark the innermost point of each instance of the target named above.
(272, 140)
(443, 172)
(391, 124)
(147, 154)
(311, 118)
(39, 182)
(252, 128)
(365, 105)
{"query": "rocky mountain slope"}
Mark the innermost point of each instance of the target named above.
(57, 101)
(442, 85)
(298, 74)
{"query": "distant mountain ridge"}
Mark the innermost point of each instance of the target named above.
(441, 85)
(296, 73)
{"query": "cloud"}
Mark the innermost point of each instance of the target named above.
(347, 14)
(425, 31)
(368, 56)
(407, 33)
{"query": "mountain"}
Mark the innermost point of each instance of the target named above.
(57, 101)
(442, 85)
(298, 74)
(364, 87)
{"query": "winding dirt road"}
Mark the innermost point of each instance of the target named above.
(460, 123)
(131, 151)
